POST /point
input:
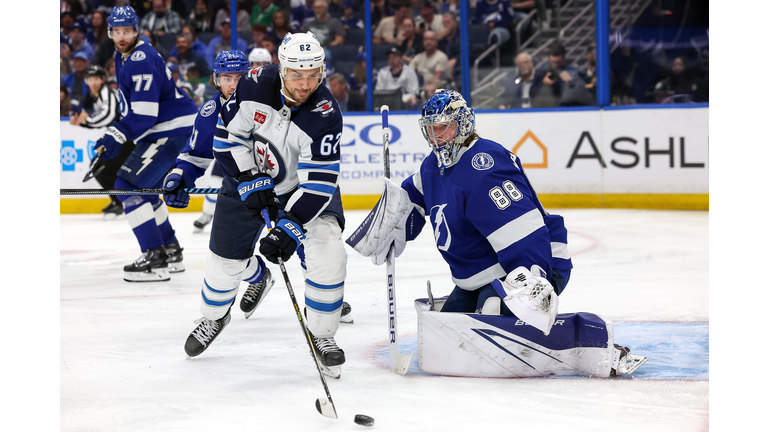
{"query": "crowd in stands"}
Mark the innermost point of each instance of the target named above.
(416, 47)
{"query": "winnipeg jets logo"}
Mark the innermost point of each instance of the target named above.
(264, 158)
(323, 107)
(442, 232)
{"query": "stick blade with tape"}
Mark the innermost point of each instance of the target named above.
(96, 166)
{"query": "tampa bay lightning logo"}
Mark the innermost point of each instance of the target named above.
(208, 109)
(482, 161)
(123, 103)
(442, 232)
(138, 56)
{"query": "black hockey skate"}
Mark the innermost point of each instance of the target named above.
(346, 314)
(627, 362)
(175, 258)
(151, 266)
(113, 210)
(204, 334)
(329, 354)
(202, 221)
(256, 293)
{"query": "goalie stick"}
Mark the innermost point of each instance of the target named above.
(324, 406)
(398, 362)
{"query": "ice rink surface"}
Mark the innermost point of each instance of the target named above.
(123, 366)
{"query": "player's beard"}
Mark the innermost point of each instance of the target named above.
(295, 95)
(128, 48)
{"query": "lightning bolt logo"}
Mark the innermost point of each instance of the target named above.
(146, 158)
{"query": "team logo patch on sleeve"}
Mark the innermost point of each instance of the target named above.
(482, 161)
(208, 109)
(325, 107)
(259, 116)
(138, 56)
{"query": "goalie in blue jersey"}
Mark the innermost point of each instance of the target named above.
(158, 118)
(507, 255)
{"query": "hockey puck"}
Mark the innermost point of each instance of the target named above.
(363, 420)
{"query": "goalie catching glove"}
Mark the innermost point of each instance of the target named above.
(394, 219)
(530, 296)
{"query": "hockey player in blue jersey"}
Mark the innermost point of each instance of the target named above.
(158, 118)
(277, 140)
(507, 254)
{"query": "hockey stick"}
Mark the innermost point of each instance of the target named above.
(324, 406)
(398, 362)
(204, 191)
(96, 167)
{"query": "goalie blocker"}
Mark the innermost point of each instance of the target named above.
(494, 346)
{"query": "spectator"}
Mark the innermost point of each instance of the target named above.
(349, 18)
(78, 44)
(259, 32)
(683, 82)
(270, 45)
(386, 31)
(201, 17)
(302, 14)
(187, 58)
(76, 80)
(498, 15)
(430, 88)
(357, 80)
(327, 29)
(523, 8)
(431, 63)
(152, 40)
(259, 57)
(427, 19)
(65, 104)
(223, 42)
(262, 12)
(243, 18)
(65, 22)
(451, 6)
(198, 47)
(409, 42)
(281, 25)
(65, 60)
(161, 20)
(398, 75)
(98, 31)
(449, 40)
(561, 77)
(380, 9)
(348, 101)
(112, 82)
(110, 68)
(521, 90)
(179, 80)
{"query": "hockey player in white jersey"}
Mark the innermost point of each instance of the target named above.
(158, 118)
(277, 141)
(507, 255)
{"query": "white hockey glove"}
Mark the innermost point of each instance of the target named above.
(386, 224)
(530, 296)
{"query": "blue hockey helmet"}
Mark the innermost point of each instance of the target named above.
(122, 16)
(230, 62)
(446, 122)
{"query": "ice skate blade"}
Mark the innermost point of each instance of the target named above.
(347, 319)
(331, 371)
(637, 361)
(157, 275)
(176, 267)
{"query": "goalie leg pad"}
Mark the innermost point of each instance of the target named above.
(326, 261)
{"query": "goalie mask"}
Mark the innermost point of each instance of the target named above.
(446, 123)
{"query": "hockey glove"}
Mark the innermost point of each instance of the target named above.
(174, 184)
(530, 296)
(257, 191)
(282, 240)
(112, 141)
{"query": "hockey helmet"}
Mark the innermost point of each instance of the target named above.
(96, 70)
(122, 16)
(229, 62)
(301, 51)
(260, 55)
(446, 122)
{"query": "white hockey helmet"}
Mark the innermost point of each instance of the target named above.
(301, 51)
(260, 55)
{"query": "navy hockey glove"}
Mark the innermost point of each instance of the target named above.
(112, 141)
(174, 184)
(282, 240)
(257, 191)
